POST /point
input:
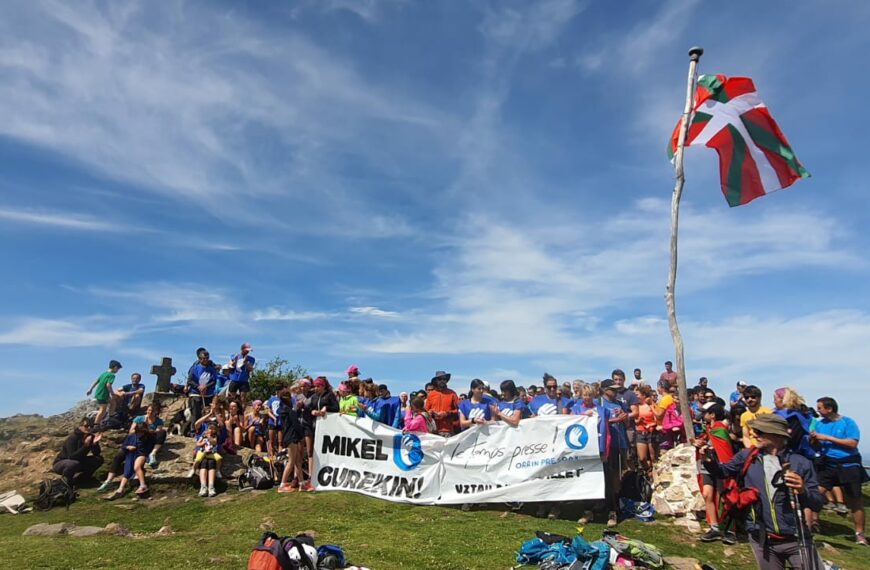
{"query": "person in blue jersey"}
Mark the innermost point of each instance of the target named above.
(837, 438)
(385, 408)
(588, 405)
(549, 403)
(222, 385)
(617, 456)
(630, 403)
(201, 382)
(131, 394)
(511, 408)
(275, 425)
(476, 409)
(242, 365)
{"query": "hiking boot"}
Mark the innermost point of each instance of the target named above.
(829, 506)
(841, 509)
(612, 521)
(285, 489)
(587, 518)
(152, 461)
(729, 537)
(104, 487)
(554, 513)
(860, 538)
(211, 492)
(711, 535)
(141, 490)
(191, 473)
(307, 486)
(203, 491)
(217, 474)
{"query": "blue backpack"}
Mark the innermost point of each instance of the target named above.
(330, 557)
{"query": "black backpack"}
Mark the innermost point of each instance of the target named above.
(273, 553)
(636, 486)
(257, 476)
(54, 492)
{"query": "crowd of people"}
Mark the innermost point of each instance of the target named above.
(791, 454)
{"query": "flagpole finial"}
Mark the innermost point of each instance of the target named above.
(695, 53)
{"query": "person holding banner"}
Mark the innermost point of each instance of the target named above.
(549, 404)
(617, 456)
(442, 403)
(511, 408)
(587, 405)
(476, 410)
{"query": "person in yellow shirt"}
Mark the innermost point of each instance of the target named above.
(752, 397)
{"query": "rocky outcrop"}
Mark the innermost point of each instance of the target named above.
(675, 486)
(69, 529)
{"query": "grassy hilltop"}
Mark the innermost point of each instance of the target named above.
(220, 532)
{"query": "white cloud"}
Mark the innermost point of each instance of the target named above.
(64, 220)
(374, 312)
(57, 333)
(169, 302)
(276, 314)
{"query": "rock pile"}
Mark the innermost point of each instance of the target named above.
(675, 486)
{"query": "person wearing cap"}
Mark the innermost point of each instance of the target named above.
(714, 439)
(241, 366)
(80, 455)
(737, 395)
(840, 464)
(103, 394)
(353, 372)
(348, 402)
(617, 457)
(442, 404)
(774, 472)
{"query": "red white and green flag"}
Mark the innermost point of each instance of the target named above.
(754, 156)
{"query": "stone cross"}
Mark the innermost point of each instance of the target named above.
(164, 374)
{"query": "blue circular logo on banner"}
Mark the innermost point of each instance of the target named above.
(407, 451)
(576, 436)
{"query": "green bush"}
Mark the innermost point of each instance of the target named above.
(264, 378)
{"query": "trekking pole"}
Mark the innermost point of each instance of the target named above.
(808, 561)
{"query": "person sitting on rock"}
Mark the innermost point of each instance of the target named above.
(215, 415)
(130, 395)
(80, 455)
(235, 426)
(133, 451)
(155, 431)
(256, 426)
(208, 460)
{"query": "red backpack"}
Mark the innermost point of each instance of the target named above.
(272, 554)
(735, 497)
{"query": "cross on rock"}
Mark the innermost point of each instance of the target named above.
(164, 374)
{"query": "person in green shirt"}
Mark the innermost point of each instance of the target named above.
(348, 402)
(103, 393)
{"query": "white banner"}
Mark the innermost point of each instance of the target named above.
(368, 457)
(548, 458)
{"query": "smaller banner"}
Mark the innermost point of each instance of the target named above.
(368, 457)
(548, 458)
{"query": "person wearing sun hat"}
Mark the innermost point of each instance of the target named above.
(775, 472)
(442, 404)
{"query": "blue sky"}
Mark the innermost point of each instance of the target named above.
(480, 187)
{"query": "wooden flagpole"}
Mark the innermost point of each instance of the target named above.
(694, 55)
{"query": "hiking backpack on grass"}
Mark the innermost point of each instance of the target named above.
(257, 476)
(53, 493)
(280, 553)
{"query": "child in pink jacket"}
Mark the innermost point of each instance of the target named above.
(415, 417)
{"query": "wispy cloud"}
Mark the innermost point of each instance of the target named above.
(276, 314)
(374, 312)
(169, 302)
(61, 220)
(57, 333)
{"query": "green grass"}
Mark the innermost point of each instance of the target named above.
(374, 533)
